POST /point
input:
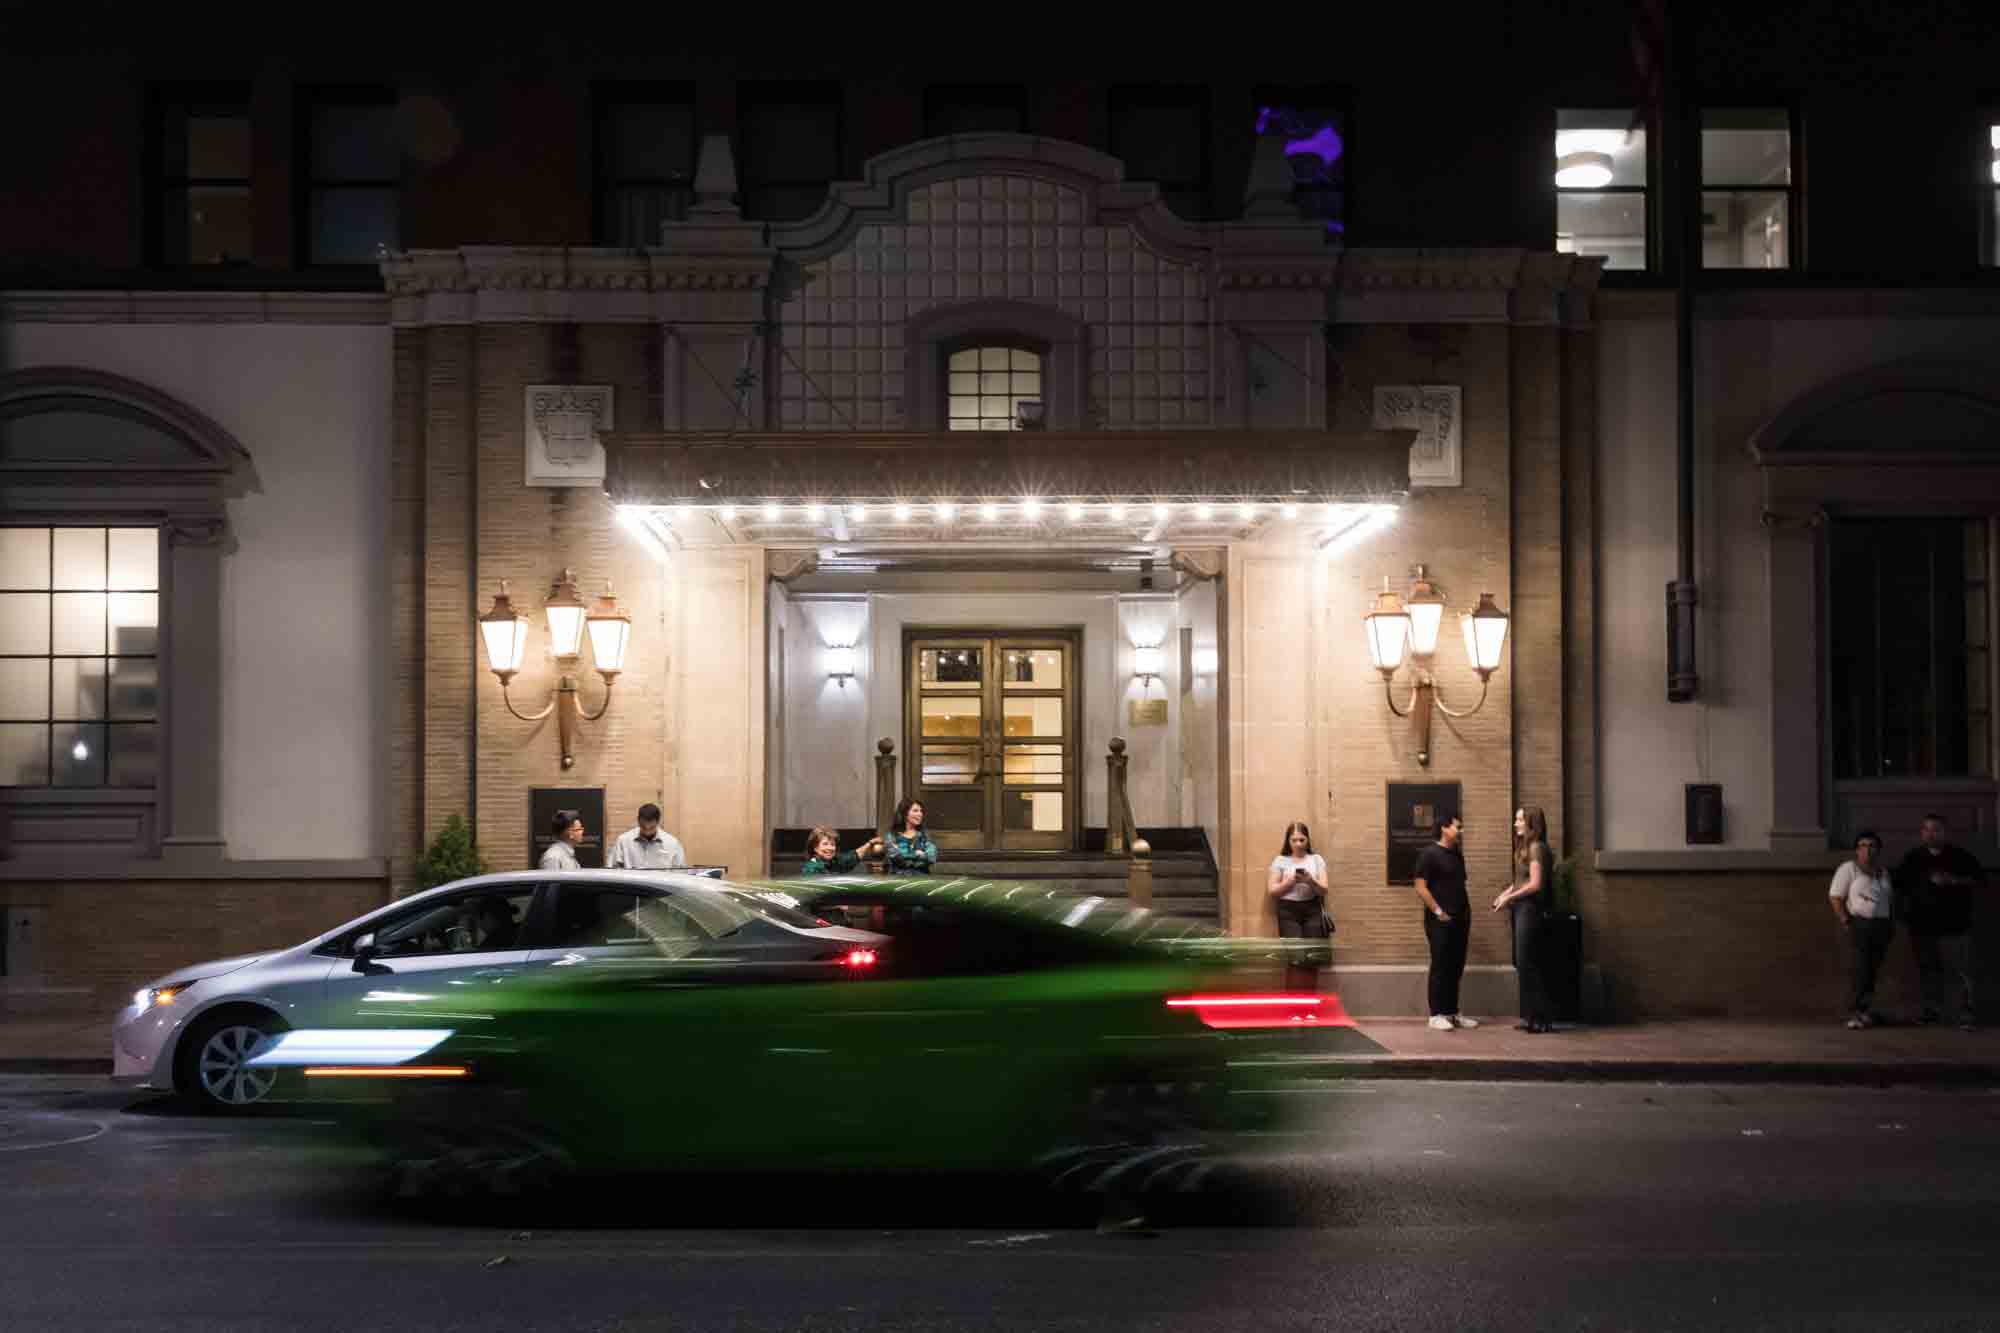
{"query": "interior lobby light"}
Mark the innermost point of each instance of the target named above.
(1603, 141)
(1148, 661)
(840, 663)
(1583, 171)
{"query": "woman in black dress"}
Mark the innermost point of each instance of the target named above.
(1528, 900)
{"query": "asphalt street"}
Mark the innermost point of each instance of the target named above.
(1396, 1205)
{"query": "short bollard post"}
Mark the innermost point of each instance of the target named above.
(1139, 887)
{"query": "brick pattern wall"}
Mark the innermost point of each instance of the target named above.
(407, 607)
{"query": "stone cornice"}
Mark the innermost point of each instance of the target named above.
(186, 307)
(572, 269)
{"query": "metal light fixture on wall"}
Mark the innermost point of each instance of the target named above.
(840, 663)
(570, 620)
(1148, 662)
(1396, 628)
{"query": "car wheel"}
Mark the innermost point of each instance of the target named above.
(212, 1070)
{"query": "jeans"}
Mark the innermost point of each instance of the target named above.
(1448, 940)
(1939, 957)
(1528, 922)
(1868, 941)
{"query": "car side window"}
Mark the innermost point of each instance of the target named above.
(643, 922)
(473, 922)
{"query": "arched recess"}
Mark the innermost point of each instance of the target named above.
(930, 336)
(80, 448)
(1912, 439)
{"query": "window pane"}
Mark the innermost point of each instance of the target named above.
(951, 666)
(961, 383)
(353, 226)
(948, 765)
(79, 558)
(206, 224)
(135, 755)
(1032, 668)
(636, 213)
(1609, 133)
(77, 686)
(24, 689)
(135, 559)
(1611, 225)
(355, 143)
(952, 715)
(1040, 716)
(24, 558)
(135, 622)
(959, 809)
(135, 688)
(24, 756)
(79, 624)
(218, 147)
(966, 360)
(1746, 148)
(24, 622)
(651, 140)
(1745, 229)
(78, 756)
(1033, 765)
(1033, 811)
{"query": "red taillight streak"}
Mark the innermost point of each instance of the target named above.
(858, 958)
(1251, 1011)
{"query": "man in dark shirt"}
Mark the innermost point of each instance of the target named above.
(1935, 882)
(1447, 921)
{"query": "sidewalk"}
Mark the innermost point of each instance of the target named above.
(1668, 1050)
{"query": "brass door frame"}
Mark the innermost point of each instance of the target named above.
(992, 739)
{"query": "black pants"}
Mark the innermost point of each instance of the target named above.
(1301, 920)
(1528, 943)
(1447, 940)
(1868, 944)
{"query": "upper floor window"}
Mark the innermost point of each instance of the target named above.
(985, 108)
(1910, 606)
(200, 167)
(1601, 174)
(646, 149)
(994, 388)
(1161, 135)
(1989, 196)
(353, 177)
(79, 657)
(790, 137)
(1749, 204)
(1312, 122)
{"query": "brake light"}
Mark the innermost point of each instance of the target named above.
(858, 958)
(1264, 1011)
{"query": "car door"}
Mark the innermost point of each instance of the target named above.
(439, 949)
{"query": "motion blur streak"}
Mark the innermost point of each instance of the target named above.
(328, 1046)
(1264, 1011)
(392, 1071)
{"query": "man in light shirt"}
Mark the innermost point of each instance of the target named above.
(1863, 898)
(646, 847)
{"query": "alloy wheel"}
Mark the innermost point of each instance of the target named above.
(226, 1075)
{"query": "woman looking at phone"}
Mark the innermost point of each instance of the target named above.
(1298, 884)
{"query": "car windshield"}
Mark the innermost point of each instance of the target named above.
(774, 905)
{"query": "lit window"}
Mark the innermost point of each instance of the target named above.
(1601, 188)
(79, 657)
(1989, 197)
(1748, 213)
(645, 161)
(994, 388)
(201, 171)
(354, 178)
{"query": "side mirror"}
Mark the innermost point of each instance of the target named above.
(364, 952)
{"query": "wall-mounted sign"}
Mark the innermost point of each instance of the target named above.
(562, 426)
(1149, 712)
(1415, 811)
(588, 802)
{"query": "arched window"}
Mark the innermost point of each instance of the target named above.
(994, 387)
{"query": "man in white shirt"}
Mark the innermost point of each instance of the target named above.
(1863, 897)
(646, 847)
(567, 827)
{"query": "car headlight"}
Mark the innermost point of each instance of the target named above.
(147, 996)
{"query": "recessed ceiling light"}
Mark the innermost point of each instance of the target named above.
(1076, 513)
(727, 513)
(1117, 513)
(1031, 509)
(946, 511)
(1204, 511)
(1290, 511)
(815, 511)
(990, 512)
(857, 512)
(902, 513)
(1160, 511)
(772, 513)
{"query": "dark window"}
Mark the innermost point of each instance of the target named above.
(1312, 124)
(1910, 607)
(975, 109)
(790, 139)
(1989, 192)
(485, 921)
(1161, 135)
(1601, 175)
(200, 165)
(1749, 191)
(353, 176)
(646, 157)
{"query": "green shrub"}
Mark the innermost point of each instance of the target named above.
(452, 855)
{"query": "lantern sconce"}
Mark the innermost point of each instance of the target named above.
(570, 621)
(840, 664)
(1148, 662)
(1396, 628)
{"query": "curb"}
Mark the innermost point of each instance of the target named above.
(1824, 1072)
(54, 1065)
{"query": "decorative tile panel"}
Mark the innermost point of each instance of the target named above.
(1432, 410)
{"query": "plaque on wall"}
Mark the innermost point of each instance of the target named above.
(561, 428)
(588, 802)
(1415, 810)
(1149, 712)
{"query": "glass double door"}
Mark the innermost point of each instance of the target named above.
(990, 721)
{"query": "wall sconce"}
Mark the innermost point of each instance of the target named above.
(1395, 628)
(840, 664)
(1148, 662)
(610, 632)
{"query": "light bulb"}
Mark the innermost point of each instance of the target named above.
(946, 512)
(771, 513)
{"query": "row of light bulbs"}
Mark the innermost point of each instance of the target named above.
(945, 511)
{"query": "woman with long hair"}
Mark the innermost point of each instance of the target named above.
(911, 851)
(1527, 898)
(1298, 887)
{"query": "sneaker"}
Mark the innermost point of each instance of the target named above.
(1461, 1021)
(1439, 1023)
(1856, 1022)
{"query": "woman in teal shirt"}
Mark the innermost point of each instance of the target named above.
(911, 851)
(828, 859)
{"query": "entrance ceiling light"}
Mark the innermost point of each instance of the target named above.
(1396, 628)
(946, 511)
(505, 634)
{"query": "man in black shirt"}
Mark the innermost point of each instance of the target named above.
(1447, 921)
(1934, 883)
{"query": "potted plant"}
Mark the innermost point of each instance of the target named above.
(451, 856)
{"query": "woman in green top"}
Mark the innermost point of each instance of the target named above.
(828, 859)
(911, 851)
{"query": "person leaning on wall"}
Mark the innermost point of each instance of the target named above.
(1298, 888)
(1864, 899)
(1527, 900)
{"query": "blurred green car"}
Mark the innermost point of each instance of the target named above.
(965, 1025)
